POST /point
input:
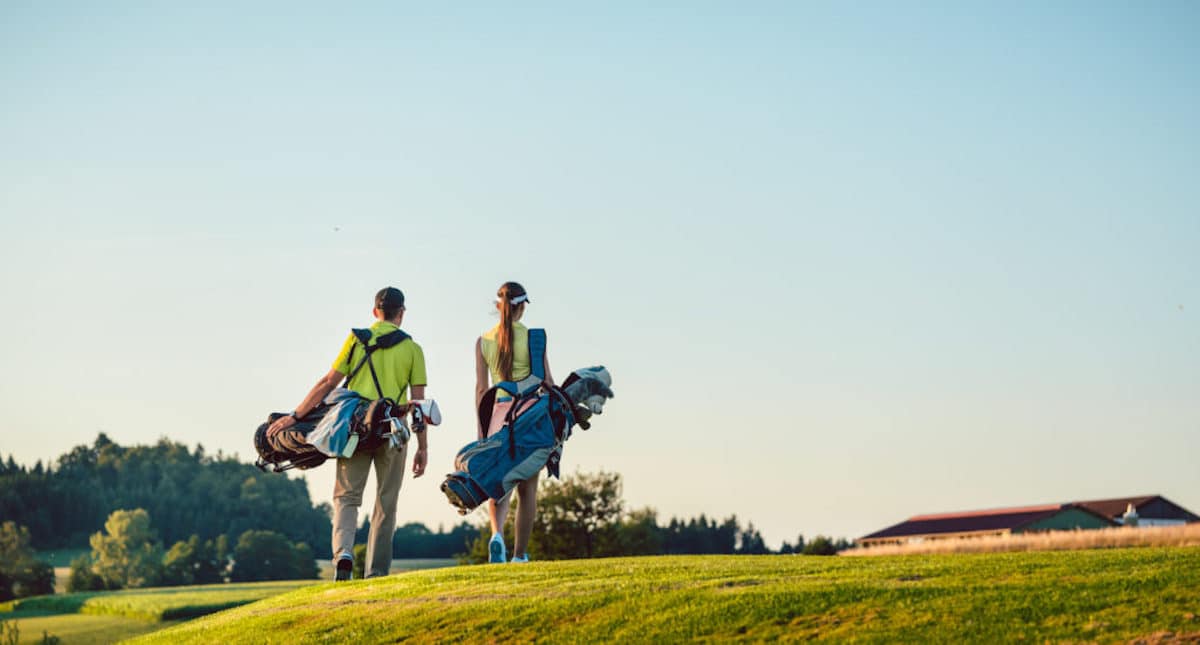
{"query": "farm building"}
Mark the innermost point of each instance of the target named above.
(1150, 510)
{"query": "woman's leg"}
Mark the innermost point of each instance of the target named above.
(498, 513)
(526, 513)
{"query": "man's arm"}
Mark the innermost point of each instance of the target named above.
(317, 394)
(422, 456)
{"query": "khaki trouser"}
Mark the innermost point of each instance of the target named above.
(347, 497)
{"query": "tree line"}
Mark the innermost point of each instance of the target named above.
(127, 554)
(584, 516)
(186, 492)
(210, 506)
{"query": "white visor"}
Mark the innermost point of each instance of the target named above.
(516, 301)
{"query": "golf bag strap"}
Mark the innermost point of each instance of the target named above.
(537, 353)
(374, 377)
(390, 339)
(517, 390)
(518, 406)
(486, 403)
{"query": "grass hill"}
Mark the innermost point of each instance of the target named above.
(1109, 595)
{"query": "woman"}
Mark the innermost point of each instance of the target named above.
(502, 353)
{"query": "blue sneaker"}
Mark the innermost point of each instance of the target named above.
(520, 559)
(496, 551)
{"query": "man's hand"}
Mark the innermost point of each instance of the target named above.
(281, 424)
(419, 460)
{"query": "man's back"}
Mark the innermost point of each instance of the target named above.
(397, 367)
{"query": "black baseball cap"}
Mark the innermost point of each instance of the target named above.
(389, 298)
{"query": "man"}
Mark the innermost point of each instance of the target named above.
(400, 367)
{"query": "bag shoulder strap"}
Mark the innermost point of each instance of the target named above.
(522, 388)
(537, 353)
(363, 336)
(391, 339)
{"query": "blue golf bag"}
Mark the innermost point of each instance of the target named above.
(537, 424)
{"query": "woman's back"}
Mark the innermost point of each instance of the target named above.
(489, 346)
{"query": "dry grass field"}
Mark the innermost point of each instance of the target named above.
(1185, 535)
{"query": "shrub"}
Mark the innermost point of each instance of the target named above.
(21, 574)
(82, 577)
(267, 555)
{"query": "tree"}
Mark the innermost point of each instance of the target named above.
(193, 563)
(820, 545)
(179, 564)
(267, 555)
(35, 578)
(175, 485)
(577, 517)
(415, 540)
(212, 560)
(639, 534)
(127, 553)
(83, 577)
(21, 573)
(751, 542)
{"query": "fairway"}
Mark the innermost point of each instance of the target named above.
(1097, 595)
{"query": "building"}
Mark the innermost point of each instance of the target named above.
(1150, 510)
(999, 521)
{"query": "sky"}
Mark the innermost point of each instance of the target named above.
(846, 263)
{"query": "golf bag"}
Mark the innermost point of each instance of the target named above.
(536, 426)
(344, 423)
(369, 422)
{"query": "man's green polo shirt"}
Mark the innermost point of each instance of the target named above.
(398, 366)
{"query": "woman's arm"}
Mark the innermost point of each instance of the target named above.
(549, 380)
(481, 379)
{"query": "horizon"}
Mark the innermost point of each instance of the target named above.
(846, 264)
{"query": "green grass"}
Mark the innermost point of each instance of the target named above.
(1096, 596)
(161, 603)
(80, 629)
(109, 616)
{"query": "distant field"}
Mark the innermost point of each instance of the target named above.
(105, 617)
(61, 557)
(1111, 595)
(79, 629)
(398, 566)
(160, 603)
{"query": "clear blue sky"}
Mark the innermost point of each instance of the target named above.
(846, 263)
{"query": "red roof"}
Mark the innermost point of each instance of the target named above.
(993, 511)
(1116, 507)
(968, 522)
